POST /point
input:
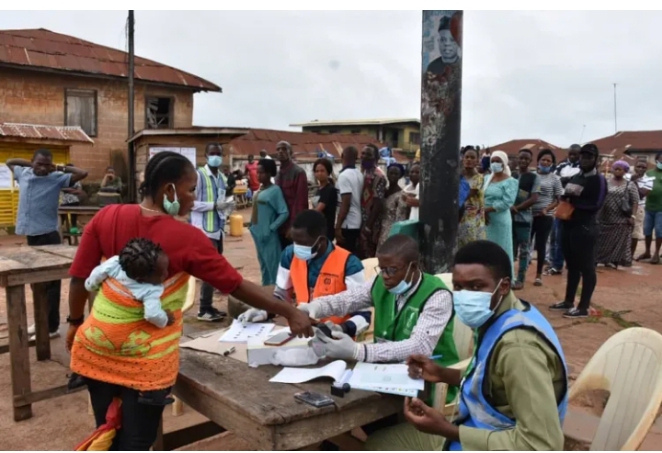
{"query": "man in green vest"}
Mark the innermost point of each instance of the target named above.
(413, 312)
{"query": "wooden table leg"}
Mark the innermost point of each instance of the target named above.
(17, 322)
(43, 341)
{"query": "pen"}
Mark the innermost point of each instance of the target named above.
(436, 357)
(229, 351)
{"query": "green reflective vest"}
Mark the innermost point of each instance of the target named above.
(391, 325)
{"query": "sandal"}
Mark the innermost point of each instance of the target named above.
(537, 282)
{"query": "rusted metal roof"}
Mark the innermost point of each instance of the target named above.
(618, 144)
(36, 132)
(193, 130)
(365, 122)
(44, 49)
(306, 145)
(513, 147)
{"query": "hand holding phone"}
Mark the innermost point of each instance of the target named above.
(279, 339)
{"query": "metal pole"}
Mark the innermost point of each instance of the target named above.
(441, 101)
(615, 115)
(131, 130)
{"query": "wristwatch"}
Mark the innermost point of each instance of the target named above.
(75, 322)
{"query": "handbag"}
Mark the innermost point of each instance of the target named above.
(564, 210)
(626, 206)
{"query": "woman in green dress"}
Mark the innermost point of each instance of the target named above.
(269, 213)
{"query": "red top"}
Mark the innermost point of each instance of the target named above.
(253, 183)
(187, 247)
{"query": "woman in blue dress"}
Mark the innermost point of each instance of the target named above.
(269, 213)
(500, 194)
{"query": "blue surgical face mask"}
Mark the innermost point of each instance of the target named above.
(214, 161)
(304, 252)
(496, 167)
(544, 170)
(403, 286)
(659, 165)
(171, 207)
(473, 307)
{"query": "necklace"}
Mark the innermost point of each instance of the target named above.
(151, 210)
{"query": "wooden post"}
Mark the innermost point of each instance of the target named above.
(17, 321)
(441, 96)
(43, 341)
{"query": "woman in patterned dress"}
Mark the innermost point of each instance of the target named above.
(615, 234)
(472, 221)
(395, 209)
(372, 201)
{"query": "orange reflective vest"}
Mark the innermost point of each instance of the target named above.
(330, 281)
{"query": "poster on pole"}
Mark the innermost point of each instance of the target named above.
(189, 153)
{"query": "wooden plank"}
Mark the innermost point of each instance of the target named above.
(35, 276)
(81, 210)
(18, 349)
(186, 436)
(8, 265)
(65, 251)
(33, 259)
(40, 301)
(47, 394)
(4, 348)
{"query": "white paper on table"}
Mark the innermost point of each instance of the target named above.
(385, 378)
(289, 375)
(238, 333)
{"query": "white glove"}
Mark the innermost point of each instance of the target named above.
(253, 315)
(312, 308)
(222, 205)
(341, 346)
(295, 357)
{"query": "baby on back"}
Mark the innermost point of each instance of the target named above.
(141, 268)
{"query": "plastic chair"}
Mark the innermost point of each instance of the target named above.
(629, 366)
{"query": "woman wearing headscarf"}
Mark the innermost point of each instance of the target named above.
(616, 219)
(543, 210)
(500, 194)
(395, 207)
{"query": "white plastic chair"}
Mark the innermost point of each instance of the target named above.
(370, 268)
(629, 366)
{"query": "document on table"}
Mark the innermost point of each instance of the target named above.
(385, 378)
(238, 333)
(290, 375)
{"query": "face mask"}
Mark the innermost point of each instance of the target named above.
(496, 167)
(171, 207)
(473, 307)
(544, 170)
(214, 161)
(304, 252)
(403, 286)
(659, 165)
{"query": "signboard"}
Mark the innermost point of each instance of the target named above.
(189, 153)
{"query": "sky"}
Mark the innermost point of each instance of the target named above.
(526, 74)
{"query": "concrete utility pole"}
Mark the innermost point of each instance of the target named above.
(441, 99)
(131, 131)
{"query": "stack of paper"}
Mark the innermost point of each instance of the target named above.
(378, 377)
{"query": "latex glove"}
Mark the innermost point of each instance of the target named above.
(333, 327)
(253, 315)
(312, 308)
(222, 205)
(341, 346)
(295, 357)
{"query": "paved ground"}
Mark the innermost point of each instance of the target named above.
(626, 297)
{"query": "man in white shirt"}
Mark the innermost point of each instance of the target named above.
(412, 191)
(350, 186)
(645, 185)
(209, 216)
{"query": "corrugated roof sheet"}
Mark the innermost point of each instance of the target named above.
(368, 122)
(39, 132)
(616, 145)
(41, 48)
(304, 144)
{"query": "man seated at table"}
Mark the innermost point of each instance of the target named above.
(514, 394)
(314, 267)
(413, 311)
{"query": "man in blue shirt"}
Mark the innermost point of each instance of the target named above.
(40, 183)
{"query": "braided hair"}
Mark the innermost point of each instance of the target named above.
(138, 258)
(164, 167)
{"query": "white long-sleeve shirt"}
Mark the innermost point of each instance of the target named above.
(424, 337)
(149, 294)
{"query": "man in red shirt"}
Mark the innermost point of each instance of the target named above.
(293, 182)
(251, 173)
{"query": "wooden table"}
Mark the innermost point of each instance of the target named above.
(80, 211)
(241, 400)
(18, 267)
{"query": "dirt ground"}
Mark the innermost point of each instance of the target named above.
(624, 297)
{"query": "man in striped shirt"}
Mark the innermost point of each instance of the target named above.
(645, 185)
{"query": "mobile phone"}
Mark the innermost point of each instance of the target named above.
(279, 339)
(314, 399)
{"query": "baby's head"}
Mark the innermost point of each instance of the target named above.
(144, 261)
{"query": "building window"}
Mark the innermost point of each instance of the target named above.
(80, 109)
(158, 113)
(415, 138)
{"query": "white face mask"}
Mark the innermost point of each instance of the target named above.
(473, 307)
